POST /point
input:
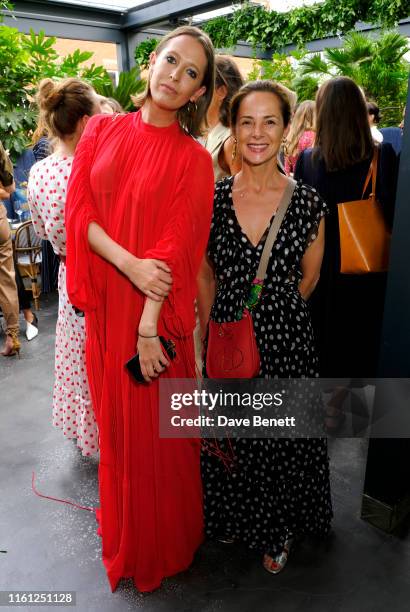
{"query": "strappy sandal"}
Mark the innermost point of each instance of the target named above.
(276, 564)
(12, 345)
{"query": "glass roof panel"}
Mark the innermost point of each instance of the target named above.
(279, 6)
(111, 5)
(126, 5)
(215, 13)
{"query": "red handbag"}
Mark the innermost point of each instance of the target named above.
(232, 351)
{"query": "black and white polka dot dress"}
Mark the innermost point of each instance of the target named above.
(276, 488)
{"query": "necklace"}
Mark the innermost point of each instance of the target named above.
(242, 192)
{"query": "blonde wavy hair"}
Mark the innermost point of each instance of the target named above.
(304, 119)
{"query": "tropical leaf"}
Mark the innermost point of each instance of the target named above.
(305, 87)
(358, 47)
(314, 65)
(391, 47)
(129, 84)
(341, 60)
(24, 61)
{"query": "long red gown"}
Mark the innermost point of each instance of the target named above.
(151, 189)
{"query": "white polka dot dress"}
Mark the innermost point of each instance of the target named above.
(72, 409)
(276, 488)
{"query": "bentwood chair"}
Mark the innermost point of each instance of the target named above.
(27, 253)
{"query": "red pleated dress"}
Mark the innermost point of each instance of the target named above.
(151, 189)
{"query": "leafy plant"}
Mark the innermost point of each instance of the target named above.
(283, 68)
(5, 6)
(143, 51)
(375, 64)
(271, 30)
(24, 61)
(129, 84)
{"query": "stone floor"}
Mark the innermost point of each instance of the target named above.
(50, 546)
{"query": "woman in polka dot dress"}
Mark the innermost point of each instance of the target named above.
(66, 107)
(276, 489)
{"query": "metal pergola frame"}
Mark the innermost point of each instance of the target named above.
(128, 28)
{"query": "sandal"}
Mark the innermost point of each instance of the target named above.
(276, 564)
(32, 328)
(12, 345)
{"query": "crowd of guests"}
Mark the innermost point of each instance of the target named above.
(152, 210)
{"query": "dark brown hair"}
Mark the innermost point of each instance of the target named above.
(343, 136)
(63, 103)
(373, 109)
(227, 74)
(190, 120)
(267, 86)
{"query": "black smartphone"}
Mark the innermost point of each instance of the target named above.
(134, 367)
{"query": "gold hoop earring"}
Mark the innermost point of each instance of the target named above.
(234, 149)
(192, 107)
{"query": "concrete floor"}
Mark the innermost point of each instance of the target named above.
(51, 546)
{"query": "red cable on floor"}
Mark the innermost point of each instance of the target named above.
(62, 501)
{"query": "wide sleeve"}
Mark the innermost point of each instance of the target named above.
(80, 211)
(184, 239)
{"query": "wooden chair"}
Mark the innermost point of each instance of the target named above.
(27, 253)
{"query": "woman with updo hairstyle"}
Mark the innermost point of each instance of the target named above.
(275, 490)
(138, 217)
(65, 108)
(219, 140)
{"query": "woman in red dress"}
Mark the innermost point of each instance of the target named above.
(138, 217)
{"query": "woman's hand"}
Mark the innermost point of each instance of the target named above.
(151, 276)
(152, 358)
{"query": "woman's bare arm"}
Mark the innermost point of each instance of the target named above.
(206, 293)
(151, 276)
(311, 263)
(152, 358)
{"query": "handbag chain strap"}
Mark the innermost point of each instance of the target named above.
(372, 173)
